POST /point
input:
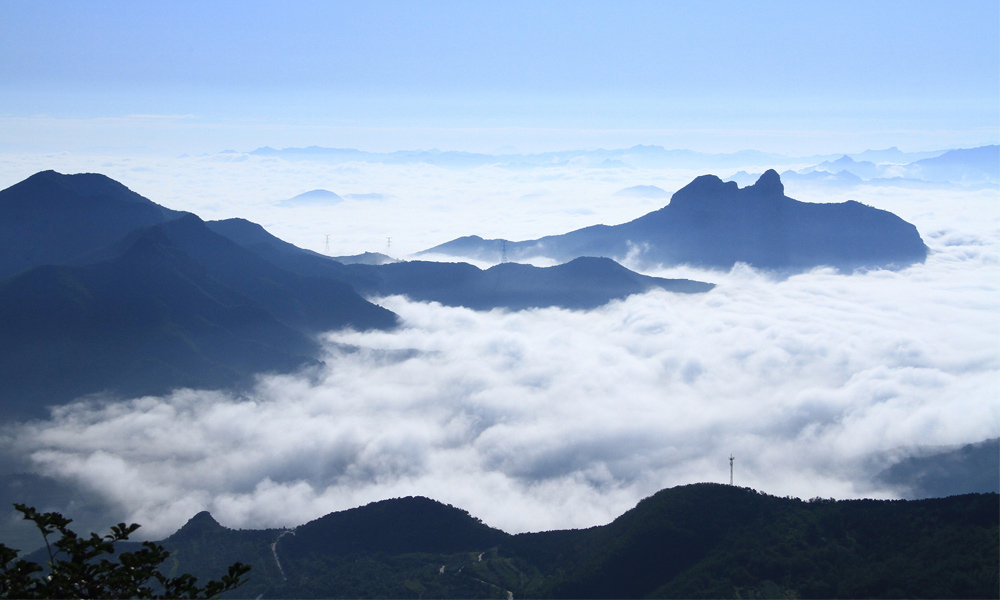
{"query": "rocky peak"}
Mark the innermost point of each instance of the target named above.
(769, 184)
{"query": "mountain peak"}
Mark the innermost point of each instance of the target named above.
(196, 527)
(318, 197)
(204, 517)
(701, 189)
(769, 184)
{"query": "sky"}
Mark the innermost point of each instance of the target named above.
(186, 77)
(547, 418)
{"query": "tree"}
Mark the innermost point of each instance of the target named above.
(78, 567)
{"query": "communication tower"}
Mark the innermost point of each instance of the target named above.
(503, 251)
(731, 459)
(388, 244)
(327, 243)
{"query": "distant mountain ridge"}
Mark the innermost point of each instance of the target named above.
(711, 223)
(582, 283)
(642, 156)
(108, 292)
(971, 168)
(318, 197)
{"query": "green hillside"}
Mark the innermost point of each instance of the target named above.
(704, 540)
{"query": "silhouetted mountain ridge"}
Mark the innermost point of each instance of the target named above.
(57, 219)
(715, 224)
(398, 526)
(703, 540)
(108, 292)
(113, 293)
(583, 283)
(146, 322)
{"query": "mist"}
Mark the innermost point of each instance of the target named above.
(548, 418)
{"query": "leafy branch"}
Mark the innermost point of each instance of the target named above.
(79, 567)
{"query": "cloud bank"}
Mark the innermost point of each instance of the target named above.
(549, 418)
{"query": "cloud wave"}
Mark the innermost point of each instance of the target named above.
(550, 418)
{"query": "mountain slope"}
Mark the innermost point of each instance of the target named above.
(711, 223)
(146, 322)
(966, 165)
(703, 540)
(55, 219)
(580, 284)
(113, 293)
(313, 304)
(397, 526)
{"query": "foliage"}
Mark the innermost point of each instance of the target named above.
(79, 567)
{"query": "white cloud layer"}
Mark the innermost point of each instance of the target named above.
(549, 418)
(425, 205)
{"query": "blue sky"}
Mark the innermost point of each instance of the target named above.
(716, 76)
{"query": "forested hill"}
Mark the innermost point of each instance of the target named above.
(704, 540)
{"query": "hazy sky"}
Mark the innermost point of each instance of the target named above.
(717, 76)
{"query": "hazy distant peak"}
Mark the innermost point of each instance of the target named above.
(643, 191)
(318, 197)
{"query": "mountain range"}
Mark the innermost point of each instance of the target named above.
(104, 291)
(582, 283)
(640, 156)
(703, 540)
(971, 168)
(715, 224)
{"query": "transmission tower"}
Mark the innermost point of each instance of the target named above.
(503, 251)
(731, 459)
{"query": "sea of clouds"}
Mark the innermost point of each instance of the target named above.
(550, 418)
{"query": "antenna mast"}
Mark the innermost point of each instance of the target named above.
(731, 459)
(503, 251)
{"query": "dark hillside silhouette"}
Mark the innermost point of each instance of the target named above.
(55, 219)
(703, 540)
(580, 284)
